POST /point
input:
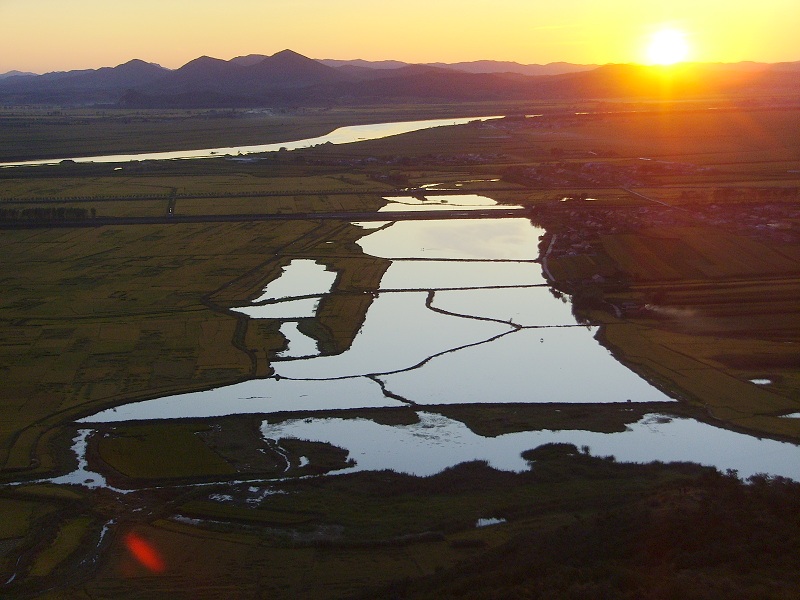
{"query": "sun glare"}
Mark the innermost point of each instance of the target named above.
(667, 47)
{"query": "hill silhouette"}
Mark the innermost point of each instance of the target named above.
(82, 86)
(289, 78)
(16, 73)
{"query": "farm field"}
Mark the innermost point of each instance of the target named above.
(687, 264)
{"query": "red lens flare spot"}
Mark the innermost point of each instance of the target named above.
(144, 553)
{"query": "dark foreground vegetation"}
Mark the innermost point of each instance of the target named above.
(710, 538)
(573, 526)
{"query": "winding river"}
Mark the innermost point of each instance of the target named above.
(342, 135)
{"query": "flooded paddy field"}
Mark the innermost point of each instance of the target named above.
(322, 409)
(464, 315)
(415, 352)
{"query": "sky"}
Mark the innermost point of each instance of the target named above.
(59, 35)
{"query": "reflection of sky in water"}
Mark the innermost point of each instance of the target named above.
(437, 443)
(289, 309)
(398, 333)
(302, 277)
(428, 207)
(255, 396)
(451, 199)
(299, 344)
(529, 307)
(531, 365)
(441, 202)
(457, 184)
(482, 239)
(342, 135)
(551, 359)
(431, 275)
(82, 475)
(370, 224)
(489, 522)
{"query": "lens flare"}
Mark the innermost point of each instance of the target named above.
(144, 553)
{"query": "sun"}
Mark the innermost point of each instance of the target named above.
(667, 47)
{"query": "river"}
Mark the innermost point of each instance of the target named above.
(342, 135)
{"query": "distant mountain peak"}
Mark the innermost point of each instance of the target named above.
(205, 59)
(137, 65)
(17, 74)
(248, 60)
(289, 53)
(290, 57)
(140, 62)
(206, 65)
(290, 69)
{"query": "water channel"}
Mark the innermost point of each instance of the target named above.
(342, 135)
(462, 315)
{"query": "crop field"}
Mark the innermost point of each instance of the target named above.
(290, 204)
(127, 186)
(688, 263)
(86, 320)
(703, 310)
(665, 254)
(66, 290)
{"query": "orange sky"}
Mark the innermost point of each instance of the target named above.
(47, 35)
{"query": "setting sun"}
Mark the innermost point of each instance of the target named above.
(667, 47)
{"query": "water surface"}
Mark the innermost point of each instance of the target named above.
(398, 333)
(253, 397)
(442, 202)
(475, 239)
(437, 443)
(443, 275)
(342, 135)
(286, 310)
(298, 343)
(463, 316)
(301, 277)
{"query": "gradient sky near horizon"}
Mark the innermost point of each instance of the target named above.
(56, 35)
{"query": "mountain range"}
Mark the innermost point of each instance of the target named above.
(16, 74)
(291, 79)
(477, 66)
